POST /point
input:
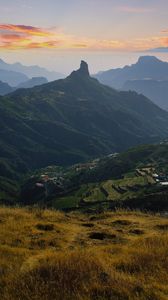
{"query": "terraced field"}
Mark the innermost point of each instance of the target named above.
(131, 186)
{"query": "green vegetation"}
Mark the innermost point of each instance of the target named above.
(123, 180)
(72, 120)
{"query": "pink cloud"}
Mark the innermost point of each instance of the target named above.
(16, 37)
(164, 31)
(29, 30)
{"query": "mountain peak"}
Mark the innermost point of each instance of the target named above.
(148, 59)
(84, 68)
(82, 71)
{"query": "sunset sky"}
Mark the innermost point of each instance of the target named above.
(59, 33)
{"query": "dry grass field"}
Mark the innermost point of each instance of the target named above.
(49, 255)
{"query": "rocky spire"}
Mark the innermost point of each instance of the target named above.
(82, 71)
(84, 68)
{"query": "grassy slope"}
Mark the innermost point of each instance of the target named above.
(72, 120)
(51, 255)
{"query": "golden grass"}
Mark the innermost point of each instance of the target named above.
(49, 255)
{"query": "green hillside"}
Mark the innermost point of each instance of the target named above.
(73, 120)
(120, 180)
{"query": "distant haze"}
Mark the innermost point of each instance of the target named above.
(65, 61)
(106, 33)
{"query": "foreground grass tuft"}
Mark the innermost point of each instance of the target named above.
(49, 255)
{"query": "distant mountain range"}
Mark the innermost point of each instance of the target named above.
(148, 76)
(160, 49)
(156, 90)
(32, 82)
(72, 120)
(12, 78)
(24, 71)
(147, 67)
(5, 88)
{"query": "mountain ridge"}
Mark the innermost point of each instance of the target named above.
(72, 120)
(13, 78)
(5, 88)
(30, 71)
(146, 67)
(156, 90)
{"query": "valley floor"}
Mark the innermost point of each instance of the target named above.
(49, 255)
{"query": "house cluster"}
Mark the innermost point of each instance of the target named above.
(57, 180)
(45, 179)
(87, 166)
(161, 179)
(113, 155)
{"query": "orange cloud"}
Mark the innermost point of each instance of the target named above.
(11, 37)
(165, 31)
(29, 30)
(79, 45)
(47, 44)
(15, 37)
(165, 41)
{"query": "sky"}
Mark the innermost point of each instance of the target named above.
(57, 34)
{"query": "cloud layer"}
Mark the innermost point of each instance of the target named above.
(15, 37)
